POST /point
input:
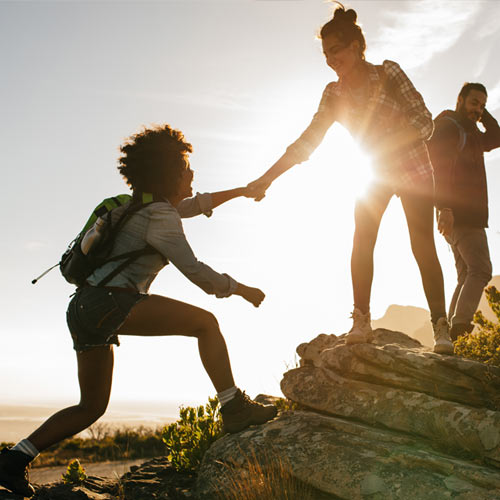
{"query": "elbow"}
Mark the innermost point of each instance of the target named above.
(425, 129)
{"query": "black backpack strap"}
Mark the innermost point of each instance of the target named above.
(129, 258)
(133, 254)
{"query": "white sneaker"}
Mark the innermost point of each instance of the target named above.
(361, 331)
(442, 341)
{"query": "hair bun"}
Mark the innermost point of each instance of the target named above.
(345, 16)
(351, 16)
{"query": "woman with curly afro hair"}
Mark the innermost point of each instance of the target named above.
(155, 164)
(386, 115)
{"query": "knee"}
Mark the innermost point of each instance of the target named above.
(424, 251)
(207, 324)
(93, 410)
(481, 272)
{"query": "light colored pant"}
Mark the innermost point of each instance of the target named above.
(472, 260)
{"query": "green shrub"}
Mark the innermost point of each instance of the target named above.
(285, 404)
(485, 344)
(75, 474)
(189, 438)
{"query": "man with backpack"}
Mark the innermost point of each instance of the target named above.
(457, 153)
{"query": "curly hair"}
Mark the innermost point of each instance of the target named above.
(153, 160)
(343, 26)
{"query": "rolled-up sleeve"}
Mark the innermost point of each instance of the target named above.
(412, 102)
(165, 234)
(312, 136)
(201, 203)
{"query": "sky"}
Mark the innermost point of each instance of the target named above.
(241, 79)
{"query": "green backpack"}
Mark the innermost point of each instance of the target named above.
(77, 264)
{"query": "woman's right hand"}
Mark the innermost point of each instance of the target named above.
(250, 294)
(257, 188)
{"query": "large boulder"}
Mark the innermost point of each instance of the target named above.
(345, 459)
(386, 420)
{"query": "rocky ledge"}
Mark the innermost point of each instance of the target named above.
(386, 420)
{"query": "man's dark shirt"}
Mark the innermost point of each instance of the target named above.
(460, 176)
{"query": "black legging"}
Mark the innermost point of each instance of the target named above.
(419, 211)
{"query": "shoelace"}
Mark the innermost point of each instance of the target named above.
(248, 401)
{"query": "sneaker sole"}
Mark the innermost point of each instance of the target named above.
(25, 493)
(444, 349)
(358, 340)
(232, 429)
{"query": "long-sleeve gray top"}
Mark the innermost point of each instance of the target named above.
(159, 225)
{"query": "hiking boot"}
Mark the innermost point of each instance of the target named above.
(459, 329)
(361, 331)
(14, 472)
(241, 412)
(442, 341)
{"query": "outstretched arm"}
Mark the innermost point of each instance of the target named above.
(166, 235)
(257, 188)
(304, 146)
(204, 203)
(221, 197)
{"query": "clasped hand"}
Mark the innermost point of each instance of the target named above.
(257, 189)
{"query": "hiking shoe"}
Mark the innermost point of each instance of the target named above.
(361, 331)
(241, 412)
(459, 329)
(442, 341)
(14, 472)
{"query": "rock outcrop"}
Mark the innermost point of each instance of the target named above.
(387, 420)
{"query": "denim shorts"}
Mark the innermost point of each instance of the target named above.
(95, 313)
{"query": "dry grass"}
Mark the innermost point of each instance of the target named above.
(265, 478)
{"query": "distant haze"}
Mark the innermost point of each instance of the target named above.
(414, 321)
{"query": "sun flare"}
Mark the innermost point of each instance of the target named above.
(350, 166)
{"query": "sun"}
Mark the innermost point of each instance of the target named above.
(345, 165)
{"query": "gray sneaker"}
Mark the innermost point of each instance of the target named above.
(14, 472)
(241, 412)
(442, 341)
(361, 331)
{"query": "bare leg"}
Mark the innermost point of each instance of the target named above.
(95, 373)
(367, 217)
(157, 315)
(419, 211)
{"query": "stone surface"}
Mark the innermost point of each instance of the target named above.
(349, 460)
(398, 361)
(387, 420)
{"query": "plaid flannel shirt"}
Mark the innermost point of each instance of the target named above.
(392, 104)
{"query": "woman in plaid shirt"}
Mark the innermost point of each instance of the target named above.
(387, 116)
